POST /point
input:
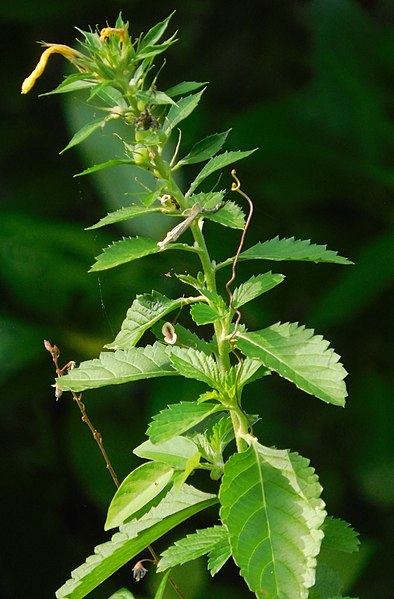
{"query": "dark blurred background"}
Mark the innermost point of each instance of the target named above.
(312, 85)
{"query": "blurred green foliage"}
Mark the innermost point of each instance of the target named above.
(311, 84)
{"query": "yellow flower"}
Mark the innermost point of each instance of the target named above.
(107, 31)
(66, 51)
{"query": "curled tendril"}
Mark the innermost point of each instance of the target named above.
(236, 186)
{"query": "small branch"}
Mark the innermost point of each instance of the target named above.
(97, 437)
(55, 353)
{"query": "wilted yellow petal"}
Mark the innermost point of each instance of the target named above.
(66, 51)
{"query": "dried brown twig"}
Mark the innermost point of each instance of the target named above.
(55, 353)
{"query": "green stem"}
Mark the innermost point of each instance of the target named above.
(205, 259)
(238, 418)
(241, 427)
(221, 326)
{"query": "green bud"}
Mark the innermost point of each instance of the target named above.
(141, 154)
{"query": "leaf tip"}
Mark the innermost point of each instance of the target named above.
(110, 523)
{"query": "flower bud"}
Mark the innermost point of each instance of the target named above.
(48, 346)
(58, 391)
(139, 570)
(141, 154)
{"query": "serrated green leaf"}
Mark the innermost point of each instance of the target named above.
(205, 149)
(191, 547)
(132, 538)
(181, 111)
(211, 447)
(126, 250)
(271, 506)
(292, 249)
(300, 356)
(221, 434)
(179, 418)
(174, 452)
(184, 88)
(254, 287)
(99, 167)
(137, 490)
(252, 370)
(115, 368)
(215, 164)
(229, 215)
(211, 455)
(145, 311)
(194, 364)
(339, 536)
(216, 300)
(219, 555)
(194, 282)
(85, 131)
(207, 396)
(203, 314)
(126, 213)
